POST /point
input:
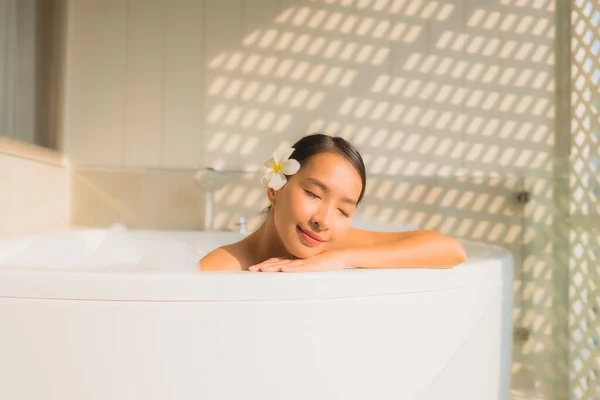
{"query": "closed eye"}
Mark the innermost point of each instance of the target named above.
(311, 194)
(314, 196)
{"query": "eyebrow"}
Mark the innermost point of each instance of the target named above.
(326, 189)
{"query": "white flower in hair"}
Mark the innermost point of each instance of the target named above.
(278, 167)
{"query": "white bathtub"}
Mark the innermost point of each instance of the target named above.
(115, 330)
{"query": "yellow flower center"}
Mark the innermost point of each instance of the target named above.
(277, 167)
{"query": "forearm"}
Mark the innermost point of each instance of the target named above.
(423, 249)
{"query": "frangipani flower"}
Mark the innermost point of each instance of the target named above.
(278, 167)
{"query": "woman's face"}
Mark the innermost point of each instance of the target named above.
(313, 209)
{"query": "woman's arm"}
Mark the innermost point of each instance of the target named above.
(369, 249)
(413, 249)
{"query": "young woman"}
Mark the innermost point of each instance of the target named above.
(314, 189)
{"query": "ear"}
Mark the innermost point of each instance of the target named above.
(271, 195)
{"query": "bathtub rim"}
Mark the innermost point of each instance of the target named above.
(250, 286)
(487, 265)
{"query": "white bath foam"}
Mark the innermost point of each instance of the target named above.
(55, 248)
(11, 248)
(93, 248)
(114, 249)
(168, 255)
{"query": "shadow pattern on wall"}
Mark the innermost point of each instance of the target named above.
(584, 207)
(450, 103)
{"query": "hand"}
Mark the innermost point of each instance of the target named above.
(326, 261)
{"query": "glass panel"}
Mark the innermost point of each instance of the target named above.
(541, 361)
(30, 63)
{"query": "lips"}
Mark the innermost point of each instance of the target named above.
(312, 235)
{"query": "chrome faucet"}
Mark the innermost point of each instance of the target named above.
(241, 225)
(209, 181)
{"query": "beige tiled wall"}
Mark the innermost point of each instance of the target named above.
(421, 87)
(142, 199)
(34, 195)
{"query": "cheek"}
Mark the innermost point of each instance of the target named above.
(341, 227)
(292, 210)
(299, 206)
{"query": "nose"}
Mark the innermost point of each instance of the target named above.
(320, 219)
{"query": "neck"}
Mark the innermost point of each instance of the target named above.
(268, 242)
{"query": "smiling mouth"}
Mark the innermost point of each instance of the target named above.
(308, 237)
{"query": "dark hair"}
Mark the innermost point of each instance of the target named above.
(314, 144)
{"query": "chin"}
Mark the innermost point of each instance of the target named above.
(295, 247)
(300, 251)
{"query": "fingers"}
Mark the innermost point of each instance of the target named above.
(269, 268)
(303, 267)
(273, 261)
(300, 267)
(291, 265)
(276, 267)
(308, 266)
(271, 265)
(270, 261)
(287, 266)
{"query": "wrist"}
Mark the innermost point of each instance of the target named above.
(345, 256)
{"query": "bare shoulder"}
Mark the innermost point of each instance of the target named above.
(232, 257)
